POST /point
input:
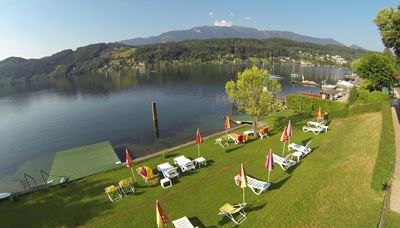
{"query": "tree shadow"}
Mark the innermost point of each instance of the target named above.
(42, 203)
(278, 185)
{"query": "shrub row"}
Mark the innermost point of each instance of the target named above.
(308, 104)
(385, 160)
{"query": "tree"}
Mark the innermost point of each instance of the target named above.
(254, 93)
(377, 69)
(388, 22)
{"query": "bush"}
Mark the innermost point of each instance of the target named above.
(352, 95)
(307, 104)
(385, 160)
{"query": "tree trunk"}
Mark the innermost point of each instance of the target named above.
(255, 126)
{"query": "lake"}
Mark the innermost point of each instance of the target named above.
(39, 119)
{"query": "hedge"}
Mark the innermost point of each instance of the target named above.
(384, 164)
(308, 104)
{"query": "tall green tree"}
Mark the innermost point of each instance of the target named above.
(254, 93)
(388, 22)
(377, 69)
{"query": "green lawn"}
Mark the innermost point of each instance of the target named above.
(392, 219)
(330, 187)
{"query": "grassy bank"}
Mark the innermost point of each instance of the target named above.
(392, 220)
(330, 187)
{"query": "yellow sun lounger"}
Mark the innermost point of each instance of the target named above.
(230, 210)
(126, 186)
(113, 193)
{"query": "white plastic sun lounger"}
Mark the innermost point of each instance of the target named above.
(318, 124)
(300, 148)
(284, 163)
(315, 130)
(182, 223)
(255, 185)
(168, 170)
(184, 163)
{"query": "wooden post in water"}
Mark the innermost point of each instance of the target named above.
(155, 119)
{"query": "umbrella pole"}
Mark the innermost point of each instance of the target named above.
(198, 150)
(243, 197)
(269, 172)
(133, 174)
(283, 149)
(289, 139)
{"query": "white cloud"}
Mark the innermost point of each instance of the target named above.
(247, 18)
(223, 23)
(211, 14)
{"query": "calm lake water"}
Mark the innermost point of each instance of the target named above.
(40, 119)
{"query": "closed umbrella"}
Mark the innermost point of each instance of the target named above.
(129, 162)
(284, 139)
(269, 163)
(227, 125)
(199, 140)
(161, 217)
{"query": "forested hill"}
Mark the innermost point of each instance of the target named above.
(115, 56)
(237, 50)
(65, 62)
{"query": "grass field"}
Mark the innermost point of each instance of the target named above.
(330, 187)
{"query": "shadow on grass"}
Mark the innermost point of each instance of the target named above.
(197, 223)
(209, 163)
(293, 168)
(229, 150)
(62, 204)
(296, 120)
(305, 141)
(255, 207)
(278, 185)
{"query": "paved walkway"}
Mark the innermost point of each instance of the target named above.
(395, 191)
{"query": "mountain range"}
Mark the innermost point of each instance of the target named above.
(217, 32)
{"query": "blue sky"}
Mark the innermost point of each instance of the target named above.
(33, 29)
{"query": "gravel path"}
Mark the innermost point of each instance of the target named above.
(395, 191)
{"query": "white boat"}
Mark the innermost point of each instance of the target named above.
(307, 82)
(344, 83)
(4, 195)
(324, 85)
(293, 74)
(274, 76)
